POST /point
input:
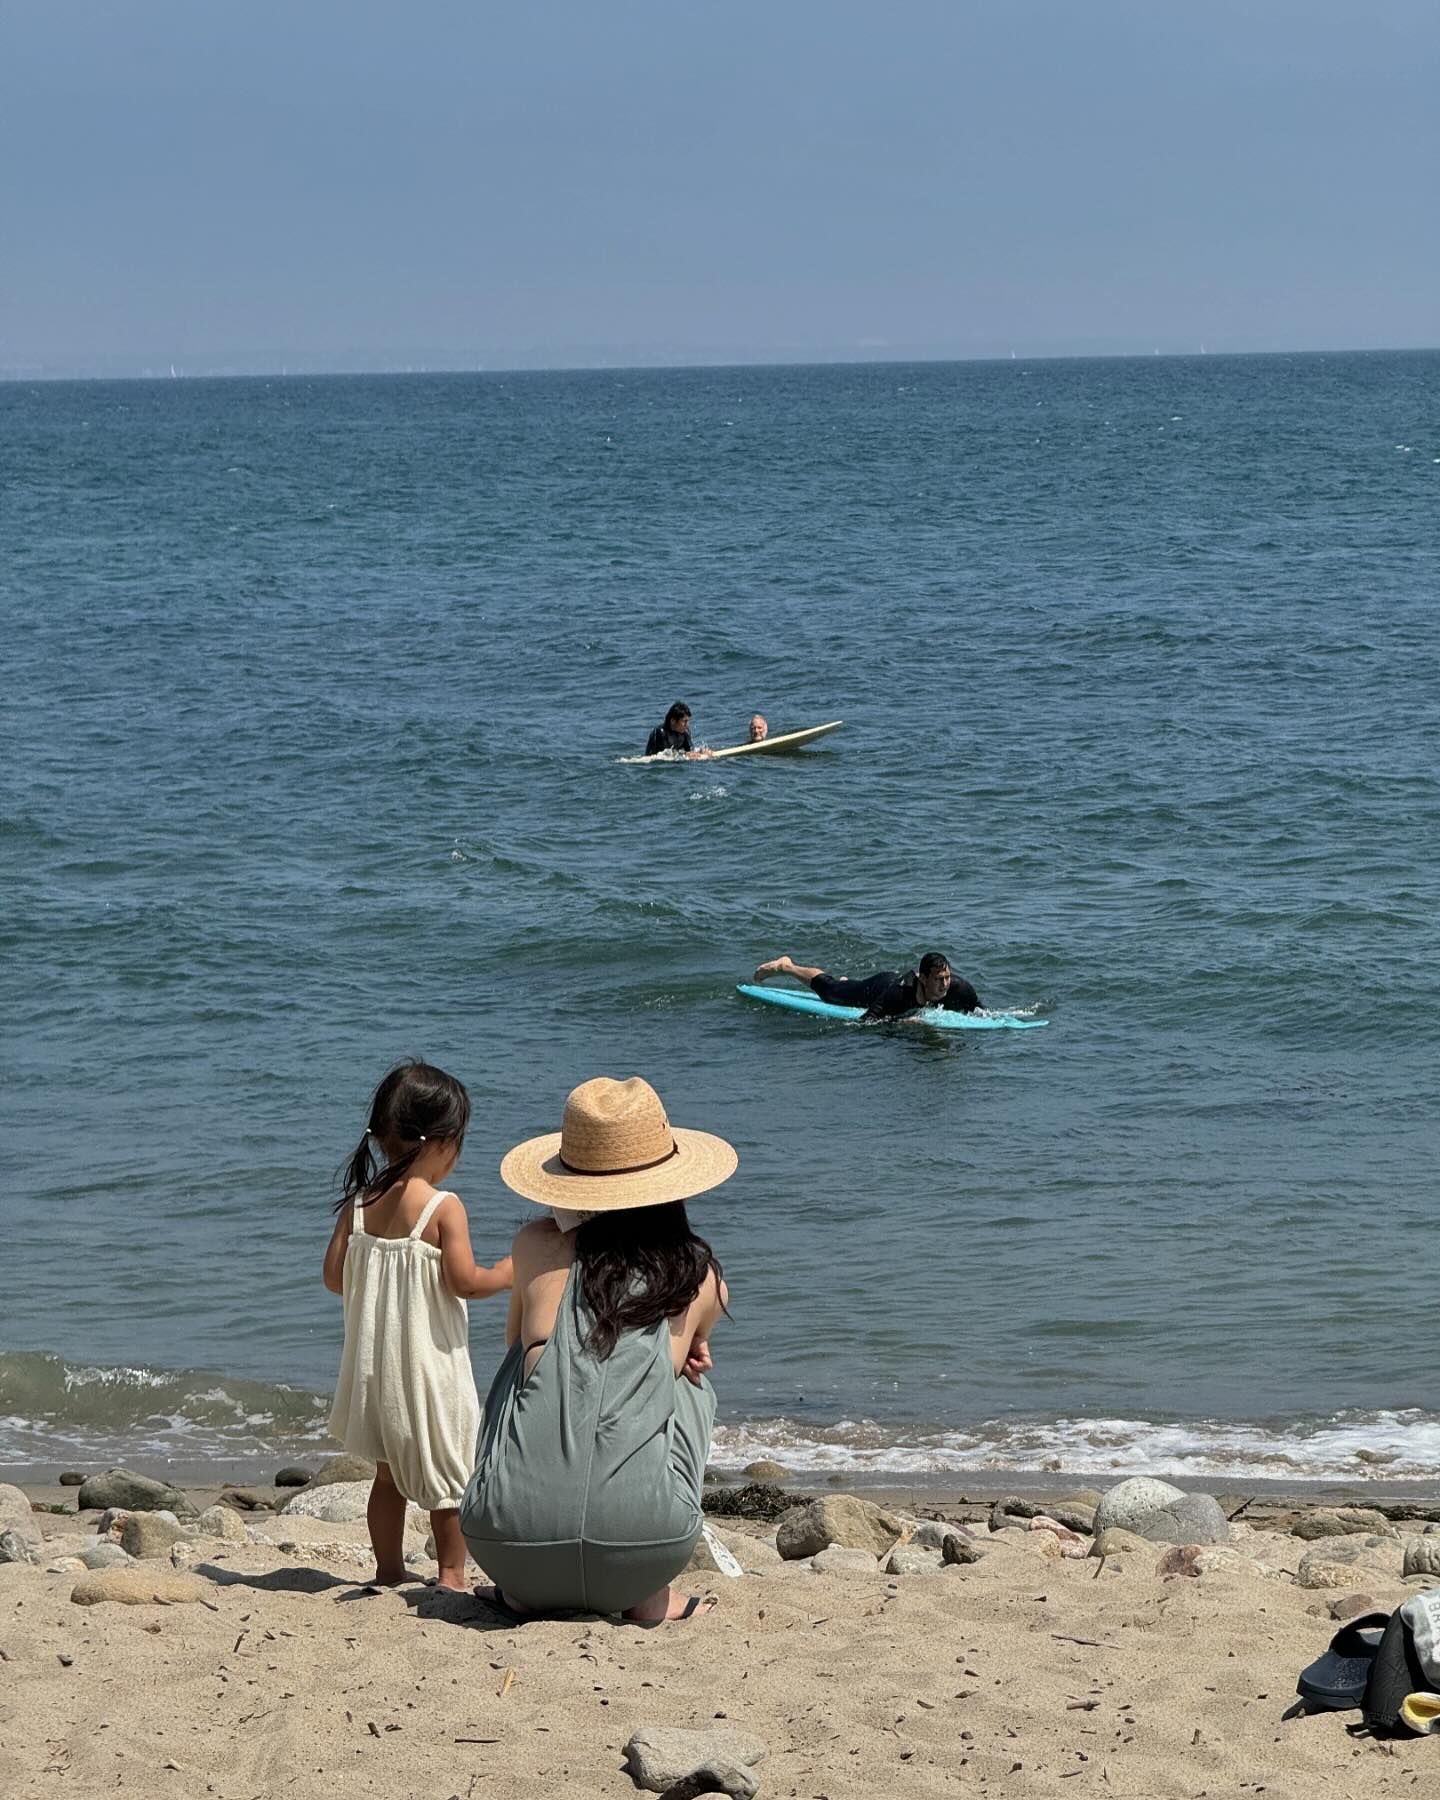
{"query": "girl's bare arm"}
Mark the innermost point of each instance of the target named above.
(334, 1271)
(462, 1275)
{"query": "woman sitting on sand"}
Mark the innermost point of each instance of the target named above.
(597, 1426)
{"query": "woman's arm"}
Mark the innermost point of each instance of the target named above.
(462, 1275)
(334, 1270)
(698, 1360)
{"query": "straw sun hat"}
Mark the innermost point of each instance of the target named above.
(616, 1149)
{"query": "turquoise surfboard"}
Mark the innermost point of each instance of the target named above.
(794, 1000)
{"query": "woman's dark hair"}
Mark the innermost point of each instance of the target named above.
(678, 713)
(416, 1103)
(635, 1268)
(933, 963)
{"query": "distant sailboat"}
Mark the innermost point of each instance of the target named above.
(173, 375)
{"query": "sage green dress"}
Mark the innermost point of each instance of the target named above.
(587, 1491)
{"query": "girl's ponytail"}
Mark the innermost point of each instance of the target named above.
(359, 1174)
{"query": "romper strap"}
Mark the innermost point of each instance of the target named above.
(429, 1213)
(357, 1221)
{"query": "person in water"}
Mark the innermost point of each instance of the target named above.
(674, 734)
(586, 1492)
(887, 995)
(759, 730)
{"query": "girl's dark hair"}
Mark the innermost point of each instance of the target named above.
(677, 713)
(415, 1103)
(635, 1268)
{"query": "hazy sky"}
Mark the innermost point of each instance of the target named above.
(183, 178)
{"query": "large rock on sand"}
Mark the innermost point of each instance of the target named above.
(1341, 1521)
(135, 1493)
(16, 1516)
(138, 1587)
(841, 1519)
(144, 1535)
(341, 1469)
(222, 1522)
(1164, 1514)
(1349, 1562)
(658, 1756)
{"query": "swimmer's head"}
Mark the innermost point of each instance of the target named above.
(759, 730)
(678, 717)
(934, 976)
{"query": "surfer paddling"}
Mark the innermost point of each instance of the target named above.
(887, 995)
(674, 735)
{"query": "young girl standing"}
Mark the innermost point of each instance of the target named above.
(400, 1255)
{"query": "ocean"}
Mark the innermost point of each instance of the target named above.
(316, 697)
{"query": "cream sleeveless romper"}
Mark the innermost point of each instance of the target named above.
(406, 1394)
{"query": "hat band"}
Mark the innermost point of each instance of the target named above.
(630, 1169)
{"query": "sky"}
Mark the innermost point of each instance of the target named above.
(571, 181)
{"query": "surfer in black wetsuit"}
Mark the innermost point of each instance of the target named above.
(886, 995)
(674, 734)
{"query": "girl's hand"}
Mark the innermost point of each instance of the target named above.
(699, 1362)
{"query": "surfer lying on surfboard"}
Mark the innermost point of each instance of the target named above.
(886, 995)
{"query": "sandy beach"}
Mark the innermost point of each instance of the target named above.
(1026, 1672)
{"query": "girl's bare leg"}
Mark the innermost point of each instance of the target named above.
(385, 1515)
(449, 1548)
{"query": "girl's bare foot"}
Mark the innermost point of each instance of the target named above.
(454, 1579)
(385, 1577)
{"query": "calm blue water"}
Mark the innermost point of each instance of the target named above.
(315, 691)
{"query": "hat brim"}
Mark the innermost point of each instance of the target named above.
(701, 1162)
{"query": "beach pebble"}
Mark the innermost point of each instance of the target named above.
(293, 1476)
(15, 1549)
(67, 1565)
(222, 1522)
(136, 1493)
(908, 1559)
(1020, 1540)
(1340, 1562)
(1162, 1513)
(1206, 1559)
(336, 1503)
(138, 1587)
(1341, 1521)
(1350, 1606)
(959, 1550)
(71, 1478)
(344, 1469)
(839, 1519)
(765, 1470)
(245, 1500)
(658, 1757)
(930, 1534)
(1117, 1542)
(16, 1515)
(1422, 1556)
(104, 1556)
(146, 1534)
(838, 1560)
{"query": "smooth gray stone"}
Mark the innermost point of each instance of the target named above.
(135, 1493)
(660, 1756)
(14, 1548)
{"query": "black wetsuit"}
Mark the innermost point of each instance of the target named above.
(890, 996)
(664, 738)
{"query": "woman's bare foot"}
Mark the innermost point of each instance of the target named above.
(667, 1605)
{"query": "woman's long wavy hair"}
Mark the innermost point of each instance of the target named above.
(416, 1103)
(635, 1268)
